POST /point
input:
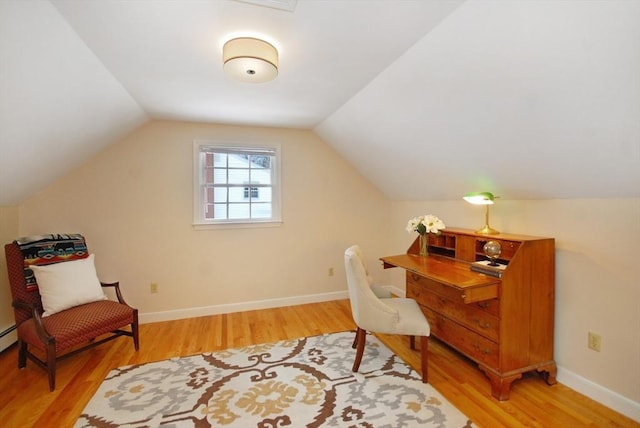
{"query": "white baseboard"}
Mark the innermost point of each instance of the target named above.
(8, 336)
(599, 393)
(239, 307)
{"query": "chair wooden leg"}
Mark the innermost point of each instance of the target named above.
(361, 338)
(51, 365)
(22, 354)
(424, 348)
(355, 341)
(134, 331)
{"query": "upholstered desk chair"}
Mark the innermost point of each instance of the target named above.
(379, 290)
(382, 315)
(59, 306)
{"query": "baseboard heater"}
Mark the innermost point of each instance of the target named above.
(8, 337)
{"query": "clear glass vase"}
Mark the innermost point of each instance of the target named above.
(424, 245)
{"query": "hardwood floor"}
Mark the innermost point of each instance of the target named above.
(26, 400)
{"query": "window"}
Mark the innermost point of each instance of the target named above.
(236, 184)
(254, 193)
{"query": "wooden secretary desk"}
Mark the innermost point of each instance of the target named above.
(503, 319)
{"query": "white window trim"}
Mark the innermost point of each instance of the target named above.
(200, 223)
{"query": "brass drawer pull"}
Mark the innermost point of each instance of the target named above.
(481, 325)
(483, 305)
(485, 351)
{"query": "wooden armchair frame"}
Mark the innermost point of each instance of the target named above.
(66, 330)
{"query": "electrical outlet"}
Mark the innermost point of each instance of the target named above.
(154, 287)
(595, 341)
(330, 271)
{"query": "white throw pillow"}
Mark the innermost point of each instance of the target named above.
(67, 284)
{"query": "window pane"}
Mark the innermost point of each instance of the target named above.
(264, 195)
(261, 176)
(220, 176)
(260, 161)
(220, 211)
(251, 192)
(238, 176)
(220, 159)
(238, 161)
(238, 211)
(220, 194)
(260, 210)
(236, 194)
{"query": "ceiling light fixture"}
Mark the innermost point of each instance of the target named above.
(250, 60)
(482, 198)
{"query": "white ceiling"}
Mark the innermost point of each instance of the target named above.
(428, 99)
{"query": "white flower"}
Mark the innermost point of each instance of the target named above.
(432, 223)
(425, 224)
(413, 224)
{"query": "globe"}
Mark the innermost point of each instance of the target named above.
(492, 250)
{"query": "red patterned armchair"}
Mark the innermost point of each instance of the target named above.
(59, 306)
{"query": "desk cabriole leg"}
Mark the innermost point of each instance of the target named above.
(548, 373)
(500, 385)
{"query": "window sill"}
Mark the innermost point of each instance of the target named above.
(238, 225)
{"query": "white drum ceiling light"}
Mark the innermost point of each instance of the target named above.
(250, 60)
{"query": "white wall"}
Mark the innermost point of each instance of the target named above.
(133, 202)
(8, 232)
(597, 286)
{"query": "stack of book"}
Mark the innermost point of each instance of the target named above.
(484, 266)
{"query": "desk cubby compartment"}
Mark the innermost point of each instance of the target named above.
(443, 244)
(508, 248)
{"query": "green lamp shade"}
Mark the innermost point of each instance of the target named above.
(479, 198)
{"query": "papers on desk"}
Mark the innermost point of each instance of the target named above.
(484, 266)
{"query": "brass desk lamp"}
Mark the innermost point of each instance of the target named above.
(482, 198)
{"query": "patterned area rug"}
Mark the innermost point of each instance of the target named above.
(304, 382)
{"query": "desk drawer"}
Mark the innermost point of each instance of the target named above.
(490, 305)
(417, 288)
(475, 346)
(436, 287)
(469, 315)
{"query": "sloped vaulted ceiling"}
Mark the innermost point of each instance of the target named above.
(429, 99)
(529, 100)
(59, 105)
